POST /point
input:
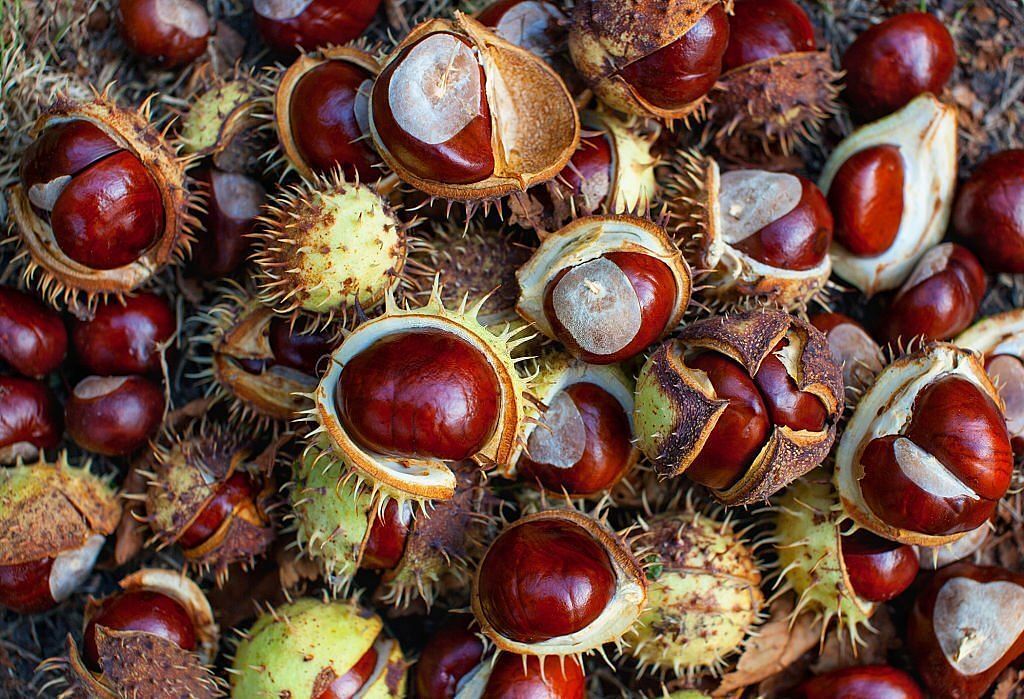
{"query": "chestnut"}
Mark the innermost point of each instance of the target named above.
(939, 299)
(879, 569)
(385, 542)
(299, 349)
(311, 24)
(222, 241)
(965, 628)
(861, 682)
(761, 29)
(114, 416)
(851, 347)
(895, 61)
(125, 337)
(33, 339)
(866, 197)
(139, 610)
(535, 25)
(240, 490)
(538, 678)
(420, 394)
(30, 419)
(988, 216)
(449, 655)
(170, 33)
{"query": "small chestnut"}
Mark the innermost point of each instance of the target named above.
(347, 686)
(535, 25)
(866, 197)
(589, 172)
(385, 542)
(297, 349)
(125, 337)
(451, 653)
(30, 418)
(240, 490)
(420, 394)
(895, 61)
(139, 610)
(33, 339)
(939, 299)
(170, 33)
(311, 24)
(232, 205)
(112, 415)
(988, 215)
(851, 346)
(879, 569)
(537, 678)
(760, 29)
(861, 682)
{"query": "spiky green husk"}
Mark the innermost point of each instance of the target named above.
(210, 115)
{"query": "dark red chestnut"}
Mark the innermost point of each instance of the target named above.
(543, 579)
(30, 418)
(139, 610)
(420, 394)
(33, 339)
(939, 299)
(866, 198)
(589, 172)
(61, 151)
(300, 350)
(851, 347)
(586, 463)
(323, 113)
(170, 33)
(895, 61)
(965, 628)
(558, 678)
(25, 587)
(232, 205)
(240, 490)
(114, 416)
(861, 682)
(648, 277)
(125, 337)
(450, 654)
(535, 25)
(310, 24)
(879, 569)
(989, 212)
(385, 542)
(760, 29)
(348, 685)
(685, 70)
(787, 405)
(950, 467)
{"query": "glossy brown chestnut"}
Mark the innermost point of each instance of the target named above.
(866, 198)
(349, 684)
(125, 337)
(963, 429)
(741, 430)
(895, 61)
(939, 299)
(851, 346)
(385, 543)
(544, 579)
(787, 405)
(222, 241)
(558, 678)
(420, 394)
(25, 587)
(240, 490)
(590, 166)
(760, 29)
(879, 569)
(114, 416)
(685, 70)
(33, 339)
(989, 212)
(606, 454)
(311, 24)
(139, 610)
(30, 418)
(861, 682)
(799, 240)
(655, 288)
(299, 350)
(965, 628)
(535, 25)
(451, 653)
(325, 126)
(63, 150)
(462, 157)
(170, 33)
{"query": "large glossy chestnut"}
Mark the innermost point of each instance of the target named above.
(420, 394)
(594, 284)
(879, 569)
(114, 416)
(25, 587)
(851, 346)
(139, 610)
(61, 151)
(861, 682)
(385, 543)
(965, 628)
(866, 198)
(125, 337)
(544, 579)
(168, 32)
(989, 212)
(450, 654)
(760, 29)
(537, 678)
(947, 471)
(940, 298)
(310, 24)
(233, 202)
(30, 418)
(33, 339)
(895, 61)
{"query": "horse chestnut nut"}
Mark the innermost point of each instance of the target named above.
(171, 33)
(760, 29)
(879, 569)
(861, 682)
(232, 205)
(30, 419)
(851, 346)
(451, 653)
(33, 339)
(125, 337)
(867, 199)
(988, 215)
(310, 24)
(114, 416)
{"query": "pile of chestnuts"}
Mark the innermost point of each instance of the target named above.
(506, 349)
